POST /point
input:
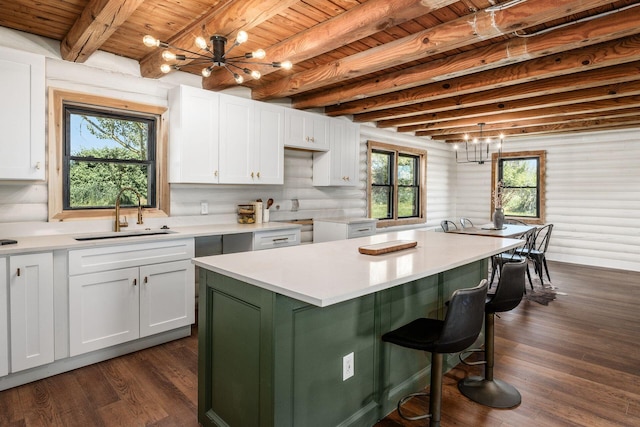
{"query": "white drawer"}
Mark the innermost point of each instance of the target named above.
(275, 239)
(361, 230)
(93, 260)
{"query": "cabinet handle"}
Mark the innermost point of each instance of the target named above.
(135, 282)
(18, 272)
(251, 174)
(280, 240)
(258, 174)
(364, 229)
(146, 280)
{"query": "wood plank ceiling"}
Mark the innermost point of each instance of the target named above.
(435, 68)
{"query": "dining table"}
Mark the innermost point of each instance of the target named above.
(507, 230)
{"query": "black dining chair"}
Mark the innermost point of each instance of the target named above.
(515, 255)
(448, 225)
(538, 251)
(459, 329)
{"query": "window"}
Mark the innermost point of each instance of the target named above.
(397, 177)
(99, 146)
(105, 152)
(522, 176)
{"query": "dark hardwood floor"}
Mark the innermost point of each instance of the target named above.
(576, 362)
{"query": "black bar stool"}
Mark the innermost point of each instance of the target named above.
(459, 329)
(489, 391)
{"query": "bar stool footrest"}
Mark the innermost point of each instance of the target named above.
(405, 399)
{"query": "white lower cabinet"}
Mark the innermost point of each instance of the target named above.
(31, 328)
(4, 321)
(153, 292)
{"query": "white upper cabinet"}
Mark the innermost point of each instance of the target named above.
(236, 140)
(221, 139)
(340, 165)
(193, 135)
(251, 142)
(304, 130)
(22, 115)
(269, 137)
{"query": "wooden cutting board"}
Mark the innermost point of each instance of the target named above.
(386, 247)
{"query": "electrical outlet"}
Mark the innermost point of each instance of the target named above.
(204, 208)
(348, 368)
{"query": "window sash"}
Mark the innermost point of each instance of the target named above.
(148, 163)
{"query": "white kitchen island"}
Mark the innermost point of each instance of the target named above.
(275, 325)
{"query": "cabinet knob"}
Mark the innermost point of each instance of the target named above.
(251, 174)
(38, 165)
(258, 174)
(215, 173)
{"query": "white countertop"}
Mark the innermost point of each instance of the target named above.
(328, 273)
(345, 220)
(48, 242)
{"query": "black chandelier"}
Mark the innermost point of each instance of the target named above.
(477, 151)
(215, 55)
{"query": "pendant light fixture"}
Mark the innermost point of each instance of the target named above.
(477, 151)
(215, 55)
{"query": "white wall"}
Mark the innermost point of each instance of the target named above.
(592, 195)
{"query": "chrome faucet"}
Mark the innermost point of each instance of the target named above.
(119, 224)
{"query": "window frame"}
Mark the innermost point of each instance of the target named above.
(495, 177)
(57, 101)
(397, 151)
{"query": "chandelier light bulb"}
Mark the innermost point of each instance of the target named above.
(287, 65)
(206, 72)
(238, 78)
(255, 75)
(165, 68)
(168, 56)
(201, 43)
(242, 37)
(150, 41)
(259, 54)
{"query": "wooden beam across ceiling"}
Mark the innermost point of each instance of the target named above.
(489, 23)
(551, 41)
(98, 21)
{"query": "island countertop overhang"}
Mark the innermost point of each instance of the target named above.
(327, 273)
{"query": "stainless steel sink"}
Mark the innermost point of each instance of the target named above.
(121, 234)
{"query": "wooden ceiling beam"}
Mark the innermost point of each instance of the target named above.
(615, 52)
(608, 107)
(97, 22)
(489, 23)
(439, 109)
(559, 128)
(354, 24)
(602, 98)
(579, 35)
(227, 18)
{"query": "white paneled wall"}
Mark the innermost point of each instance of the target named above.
(592, 196)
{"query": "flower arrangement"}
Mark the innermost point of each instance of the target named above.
(500, 196)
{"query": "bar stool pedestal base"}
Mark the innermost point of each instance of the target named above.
(493, 393)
